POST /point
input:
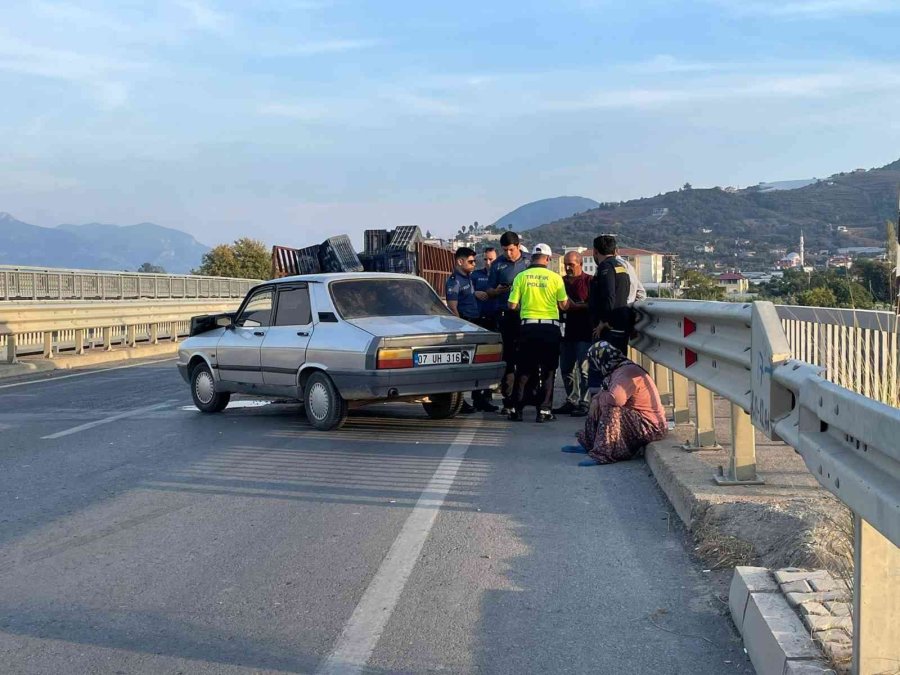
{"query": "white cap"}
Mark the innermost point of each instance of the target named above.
(522, 248)
(542, 249)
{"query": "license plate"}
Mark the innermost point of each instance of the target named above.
(443, 358)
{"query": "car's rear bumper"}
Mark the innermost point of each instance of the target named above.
(381, 384)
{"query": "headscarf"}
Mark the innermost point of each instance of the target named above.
(603, 360)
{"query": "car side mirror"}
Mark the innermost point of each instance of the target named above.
(224, 322)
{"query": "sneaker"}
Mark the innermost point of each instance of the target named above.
(589, 462)
(544, 416)
(514, 416)
(580, 411)
(565, 409)
(466, 409)
(574, 449)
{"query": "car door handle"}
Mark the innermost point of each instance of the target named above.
(302, 333)
(260, 333)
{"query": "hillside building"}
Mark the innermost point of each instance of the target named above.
(734, 283)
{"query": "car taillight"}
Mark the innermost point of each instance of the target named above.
(394, 358)
(488, 353)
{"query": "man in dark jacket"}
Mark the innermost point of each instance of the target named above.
(610, 313)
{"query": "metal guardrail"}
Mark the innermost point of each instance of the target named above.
(848, 441)
(49, 328)
(38, 283)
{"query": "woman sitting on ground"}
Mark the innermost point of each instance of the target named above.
(626, 413)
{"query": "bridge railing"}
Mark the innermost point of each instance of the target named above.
(848, 441)
(38, 283)
(52, 327)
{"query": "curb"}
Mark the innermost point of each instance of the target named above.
(775, 638)
(41, 365)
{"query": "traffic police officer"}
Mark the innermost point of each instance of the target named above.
(503, 272)
(481, 282)
(538, 294)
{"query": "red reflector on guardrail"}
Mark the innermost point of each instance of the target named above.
(690, 358)
(689, 327)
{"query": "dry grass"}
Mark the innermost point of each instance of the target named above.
(833, 540)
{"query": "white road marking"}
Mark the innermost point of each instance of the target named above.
(248, 403)
(107, 420)
(92, 372)
(361, 633)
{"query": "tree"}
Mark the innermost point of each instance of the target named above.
(697, 286)
(244, 259)
(817, 297)
(876, 277)
(686, 187)
(150, 268)
(890, 244)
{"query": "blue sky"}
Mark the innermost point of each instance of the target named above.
(289, 120)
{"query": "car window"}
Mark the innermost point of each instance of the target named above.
(360, 298)
(293, 307)
(258, 311)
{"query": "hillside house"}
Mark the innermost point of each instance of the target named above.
(734, 283)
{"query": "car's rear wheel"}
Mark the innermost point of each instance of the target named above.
(205, 391)
(444, 406)
(325, 407)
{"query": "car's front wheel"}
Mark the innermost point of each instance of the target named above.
(325, 407)
(205, 392)
(444, 406)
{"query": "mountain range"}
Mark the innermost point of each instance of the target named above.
(744, 226)
(543, 211)
(98, 246)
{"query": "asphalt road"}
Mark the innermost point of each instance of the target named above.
(138, 535)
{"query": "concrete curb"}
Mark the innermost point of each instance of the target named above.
(91, 358)
(775, 638)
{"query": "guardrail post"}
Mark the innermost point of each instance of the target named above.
(681, 403)
(130, 335)
(154, 333)
(876, 601)
(10, 349)
(741, 469)
(79, 341)
(663, 382)
(48, 344)
(705, 426)
(107, 338)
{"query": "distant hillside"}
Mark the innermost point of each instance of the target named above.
(97, 246)
(744, 225)
(544, 211)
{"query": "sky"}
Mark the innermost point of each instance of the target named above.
(292, 120)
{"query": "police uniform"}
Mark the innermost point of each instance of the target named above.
(459, 288)
(481, 279)
(608, 302)
(503, 273)
(537, 291)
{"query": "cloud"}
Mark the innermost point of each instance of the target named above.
(100, 74)
(427, 105)
(205, 17)
(821, 9)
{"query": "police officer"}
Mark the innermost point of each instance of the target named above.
(610, 289)
(460, 295)
(503, 272)
(481, 282)
(538, 294)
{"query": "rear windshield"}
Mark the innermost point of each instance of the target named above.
(361, 298)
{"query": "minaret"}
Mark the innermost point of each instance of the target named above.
(802, 251)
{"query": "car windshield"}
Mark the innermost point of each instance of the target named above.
(362, 298)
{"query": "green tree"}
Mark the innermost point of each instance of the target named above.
(877, 277)
(697, 286)
(817, 297)
(890, 244)
(244, 259)
(150, 268)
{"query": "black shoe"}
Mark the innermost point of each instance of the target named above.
(466, 409)
(565, 409)
(544, 416)
(486, 407)
(580, 411)
(515, 416)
